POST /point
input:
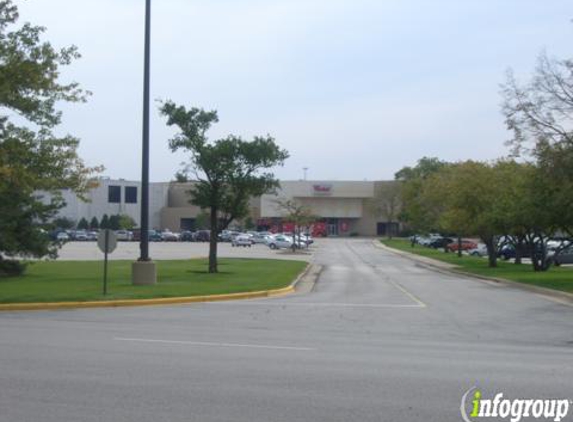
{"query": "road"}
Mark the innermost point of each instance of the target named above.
(381, 338)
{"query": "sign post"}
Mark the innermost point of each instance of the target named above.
(106, 242)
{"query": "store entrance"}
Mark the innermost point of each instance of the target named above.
(332, 227)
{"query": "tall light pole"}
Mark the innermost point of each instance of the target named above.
(143, 271)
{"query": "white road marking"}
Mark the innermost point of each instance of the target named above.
(323, 305)
(210, 344)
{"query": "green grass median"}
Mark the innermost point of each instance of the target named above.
(63, 281)
(557, 278)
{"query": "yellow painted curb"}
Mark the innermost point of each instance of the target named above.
(158, 301)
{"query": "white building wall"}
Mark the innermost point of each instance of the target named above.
(97, 202)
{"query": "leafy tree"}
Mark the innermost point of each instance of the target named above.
(229, 171)
(33, 161)
(94, 224)
(386, 203)
(466, 193)
(539, 114)
(416, 211)
(104, 223)
(64, 223)
(202, 221)
(114, 222)
(126, 222)
(83, 224)
(298, 214)
(248, 223)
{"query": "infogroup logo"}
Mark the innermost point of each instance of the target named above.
(512, 409)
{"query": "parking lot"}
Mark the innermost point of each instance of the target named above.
(79, 251)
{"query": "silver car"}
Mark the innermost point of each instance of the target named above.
(563, 257)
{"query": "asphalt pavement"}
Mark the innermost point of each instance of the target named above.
(379, 338)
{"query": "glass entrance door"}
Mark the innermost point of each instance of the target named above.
(332, 227)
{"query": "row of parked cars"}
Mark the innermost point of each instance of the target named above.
(236, 238)
(273, 241)
(559, 251)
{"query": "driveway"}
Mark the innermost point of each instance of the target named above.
(380, 338)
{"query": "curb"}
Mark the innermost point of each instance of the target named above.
(158, 301)
(557, 295)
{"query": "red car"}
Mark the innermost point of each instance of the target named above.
(465, 246)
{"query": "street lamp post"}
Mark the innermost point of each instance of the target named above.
(144, 271)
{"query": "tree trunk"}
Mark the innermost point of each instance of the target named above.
(459, 247)
(491, 252)
(519, 248)
(213, 242)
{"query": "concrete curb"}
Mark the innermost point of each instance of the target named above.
(158, 301)
(559, 296)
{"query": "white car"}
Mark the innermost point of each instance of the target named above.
(125, 235)
(481, 250)
(63, 236)
(280, 241)
(242, 240)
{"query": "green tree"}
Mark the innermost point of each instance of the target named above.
(126, 222)
(64, 223)
(202, 221)
(539, 114)
(229, 171)
(94, 223)
(248, 223)
(33, 161)
(104, 223)
(83, 224)
(298, 214)
(416, 211)
(466, 193)
(114, 222)
(386, 203)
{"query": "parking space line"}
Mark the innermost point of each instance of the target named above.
(212, 344)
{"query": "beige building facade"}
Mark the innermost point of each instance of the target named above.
(344, 208)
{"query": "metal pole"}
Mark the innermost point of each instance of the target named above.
(105, 262)
(144, 242)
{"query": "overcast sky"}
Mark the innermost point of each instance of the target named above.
(353, 89)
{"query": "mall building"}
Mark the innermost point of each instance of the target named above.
(344, 208)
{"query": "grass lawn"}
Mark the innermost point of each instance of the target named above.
(558, 278)
(60, 281)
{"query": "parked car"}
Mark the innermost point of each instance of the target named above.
(260, 238)
(187, 236)
(440, 242)
(124, 235)
(465, 245)
(169, 236)
(479, 250)
(563, 257)
(80, 236)
(62, 236)
(92, 235)
(280, 241)
(242, 240)
(154, 236)
(203, 236)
